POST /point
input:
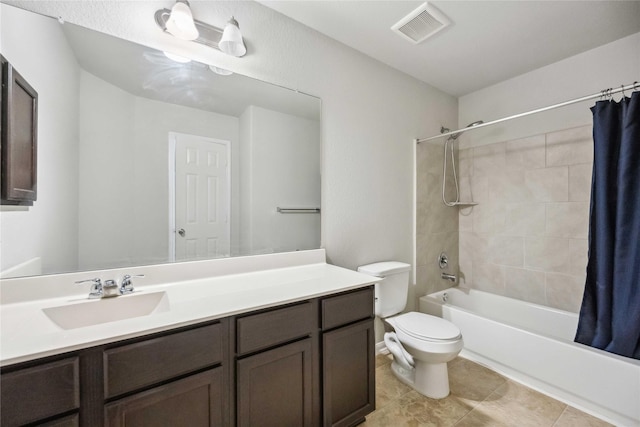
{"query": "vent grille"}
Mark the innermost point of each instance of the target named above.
(421, 24)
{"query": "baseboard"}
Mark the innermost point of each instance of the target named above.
(381, 348)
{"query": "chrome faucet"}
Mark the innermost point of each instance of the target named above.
(447, 276)
(110, 287)
(126, 286)
(96, 289)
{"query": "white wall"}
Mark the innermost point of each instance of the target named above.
(611, 65)
(150, 206)
(124, 178)
(48, 228)
(370, 112)
(106, 173)
(284, 154)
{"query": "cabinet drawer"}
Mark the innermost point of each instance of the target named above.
(346, 308)
(275, 327)
(192, 401)
(43, 391)
(144, 363)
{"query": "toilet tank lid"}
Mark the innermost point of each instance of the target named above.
(382, 269)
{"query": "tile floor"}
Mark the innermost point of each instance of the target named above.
(479, 397)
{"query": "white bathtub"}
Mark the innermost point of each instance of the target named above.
(534, 345)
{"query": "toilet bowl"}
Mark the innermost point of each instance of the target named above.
(431, 342)
(421, 344)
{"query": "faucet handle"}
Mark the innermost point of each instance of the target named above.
(126, 286)
(96, 288)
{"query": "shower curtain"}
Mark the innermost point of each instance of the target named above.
(610, 312)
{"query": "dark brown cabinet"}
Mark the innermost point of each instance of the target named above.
(308, 363)
(348, 362)
(275, 387)
(40, 392)
(195, 401)
(19, 134)
(275, 367)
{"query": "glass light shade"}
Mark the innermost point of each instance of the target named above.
(231, 42)
(177, 58)
(180, 23)
(220, 71)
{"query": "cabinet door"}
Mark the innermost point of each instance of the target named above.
(19, 132)
(349, 374)
(42, 391)
(195, 401)
(275, 387)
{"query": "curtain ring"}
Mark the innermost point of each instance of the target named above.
(636, 85)
(623, 95)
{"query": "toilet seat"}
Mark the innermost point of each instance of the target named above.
(425, 327)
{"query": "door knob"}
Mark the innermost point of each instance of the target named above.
(181, 232)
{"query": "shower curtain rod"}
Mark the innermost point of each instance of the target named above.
(604, 94)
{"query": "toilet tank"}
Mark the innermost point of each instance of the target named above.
(391, 292)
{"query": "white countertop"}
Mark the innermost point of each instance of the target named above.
(27, 333)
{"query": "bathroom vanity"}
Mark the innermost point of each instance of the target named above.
(286, 346)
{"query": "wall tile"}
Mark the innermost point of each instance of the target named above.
(525, 219)
(527, 238)
(465, 219)
(489, 218)
(548, 185)
(526, 285)
(489, 159)
(506, 251)
(547, 254)
(465, 275)
(578, 256)
(465, 162)
(479, 189)
(429, 157)
(526, 153)
(569, 219)
(509, 186)
(474, 246)
(580, 182)
(564, 291)
(488, 277)
(570, 147)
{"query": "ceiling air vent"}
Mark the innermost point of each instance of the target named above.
(422, 23)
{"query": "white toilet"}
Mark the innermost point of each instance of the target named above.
(421, 344)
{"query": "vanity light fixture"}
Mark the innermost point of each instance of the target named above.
(177, 58)
(220, 71)
(228, 41)
(180, 22)
(231, 42)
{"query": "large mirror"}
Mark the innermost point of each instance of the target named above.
(145, 160)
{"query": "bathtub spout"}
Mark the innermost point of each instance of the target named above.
(451, 277)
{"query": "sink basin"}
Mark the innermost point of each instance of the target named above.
(95, 312)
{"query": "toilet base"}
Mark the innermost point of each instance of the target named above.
(428, 379)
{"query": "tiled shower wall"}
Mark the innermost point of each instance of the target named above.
(436, 224)
(527, 237)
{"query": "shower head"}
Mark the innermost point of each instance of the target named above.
(470, 125)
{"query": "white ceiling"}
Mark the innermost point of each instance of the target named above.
(148, 73)
(488, 41)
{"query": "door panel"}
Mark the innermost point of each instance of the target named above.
(202, 197)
